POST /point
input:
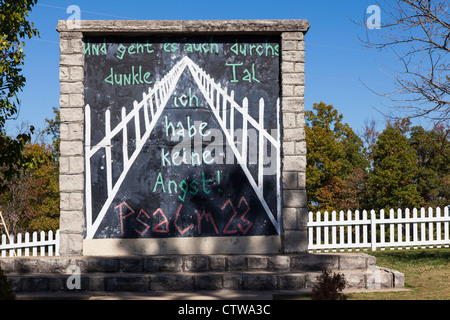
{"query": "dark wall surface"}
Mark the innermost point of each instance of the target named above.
(186, 179)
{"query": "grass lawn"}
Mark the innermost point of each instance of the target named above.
(427, 274)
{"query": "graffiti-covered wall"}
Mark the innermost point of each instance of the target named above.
(184, 135)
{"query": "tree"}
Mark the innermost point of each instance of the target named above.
(335, 161)
(52, 130)
(391, 182)
(11, 156)
(14, 28)
(418, 32)
(30, 199)
(433, 154)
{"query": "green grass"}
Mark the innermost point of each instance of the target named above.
(427, 274)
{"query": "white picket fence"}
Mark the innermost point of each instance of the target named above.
(417, 228)
(24, 247)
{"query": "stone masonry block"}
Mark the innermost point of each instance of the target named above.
(76, 73)
(292, 281)
(300, 119)
(71, 201)
(289, 120)
(300, 148)
(64, 165)
(294, 198)
(69, 35)
(288, 66)
(76, 45)
(290, 219)
(64, 101)
(71, 115)
(259, 281)
(293, 134)
(293, 104)
(71, 87)
(287, 90)
(218, 263)
(167, 264)
(302, 218)
(315, 262)
(294, 163)
(352, 262)
(295, 55)
(71, 60)
(280, 263)
(208, 282)
(64, 73)
(196, 263)
(299, 67)
(236, 263)
(288, 147)
(290, 180)
(299, 90)
(257, 263)
(232, 281)
(71, 148)
(295, 78)
(71, 183)
(71, 221)
(64, 46)
(295, 241)
(287, 45)
(71, 244)
(71, 131)
(301, 182)
(76, 100)
(171, 282)
(76, 165)
(292, 36)
(127, 283)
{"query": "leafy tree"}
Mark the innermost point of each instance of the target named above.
(52, 130)
(11, 156)
(433, 154)
(391, 182)
(30, 199)
(14, 28)
(335, 161)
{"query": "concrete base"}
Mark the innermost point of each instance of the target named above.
(193, 272)
(170, 246)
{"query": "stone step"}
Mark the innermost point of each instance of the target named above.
(374, 278)
(193, 272)
(189, 263)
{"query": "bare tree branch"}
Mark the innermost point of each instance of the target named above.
(418, 32)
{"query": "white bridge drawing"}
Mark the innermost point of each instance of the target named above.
(152, 105)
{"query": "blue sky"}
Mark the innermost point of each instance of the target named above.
(336, 61)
